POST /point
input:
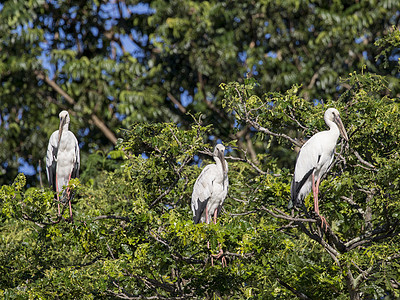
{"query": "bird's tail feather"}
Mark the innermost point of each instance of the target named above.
(295, 198)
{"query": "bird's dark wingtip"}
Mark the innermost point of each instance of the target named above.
(196, 218)
(199, 211)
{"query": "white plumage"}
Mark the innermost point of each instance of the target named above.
(63, 159)
(210, 188)
(314, 159)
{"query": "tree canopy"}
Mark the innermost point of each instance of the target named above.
(151, 87)
(115, 63)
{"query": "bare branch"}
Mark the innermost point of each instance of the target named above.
(243, 214)
(376, 235)
(165, 193)
(313, 79)
(96, 120)
(109, 250)
(245, 159)
(247, 118)
(364, 161)
(40, 175)
(352, 203)
(294, 291)
(328, 248)
(112, 217)
(176, 102)
(365, 274)
(239, 200)
(175, 255)
(243, 255)
(364, 167)
(295, 120)
(43, 224)
(262, 129)
(286, 217)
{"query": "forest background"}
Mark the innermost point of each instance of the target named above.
(151, 87)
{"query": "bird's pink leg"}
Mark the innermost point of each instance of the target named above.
(69, 200)
(70, 211)
(58, 198)
(314, 195)
(323, 220)
(208, 242)
(221, 253)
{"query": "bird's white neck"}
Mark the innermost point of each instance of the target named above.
(333, 128)
(65, 127)
(63, 132)
(220, 167)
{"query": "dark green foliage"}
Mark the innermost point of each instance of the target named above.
(116, 63)
(133, 233)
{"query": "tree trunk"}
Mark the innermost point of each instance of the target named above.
(354, 294)
(352, 286)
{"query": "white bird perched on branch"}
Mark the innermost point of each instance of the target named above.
(314, 159)
(62, 160)
(210, 190)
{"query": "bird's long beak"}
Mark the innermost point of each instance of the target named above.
(343, 132)
(221, 156)
(62, 123)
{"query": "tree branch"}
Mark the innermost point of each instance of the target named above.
(352, 203)
(260, 128)
(166, 192)
(376, 235)
(175, 255)
(331, 251)
(294, 291)
(281, 215)
(245, 159)
(96, 120)
(243, 214)
(364, 161)
(43, 224)
(112, 217)
(176, 102)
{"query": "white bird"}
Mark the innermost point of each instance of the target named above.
(314, 159)
(62, 160)
(209, 192)
(210, 188)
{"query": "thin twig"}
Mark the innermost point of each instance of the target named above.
(177, 103)
(262, 129)
(40, 174)
(166, 192)
(243, 255)
(352, 203)
(112, 217)
(300, 295)
(286, 217)
(363, 161)
(243, 214)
